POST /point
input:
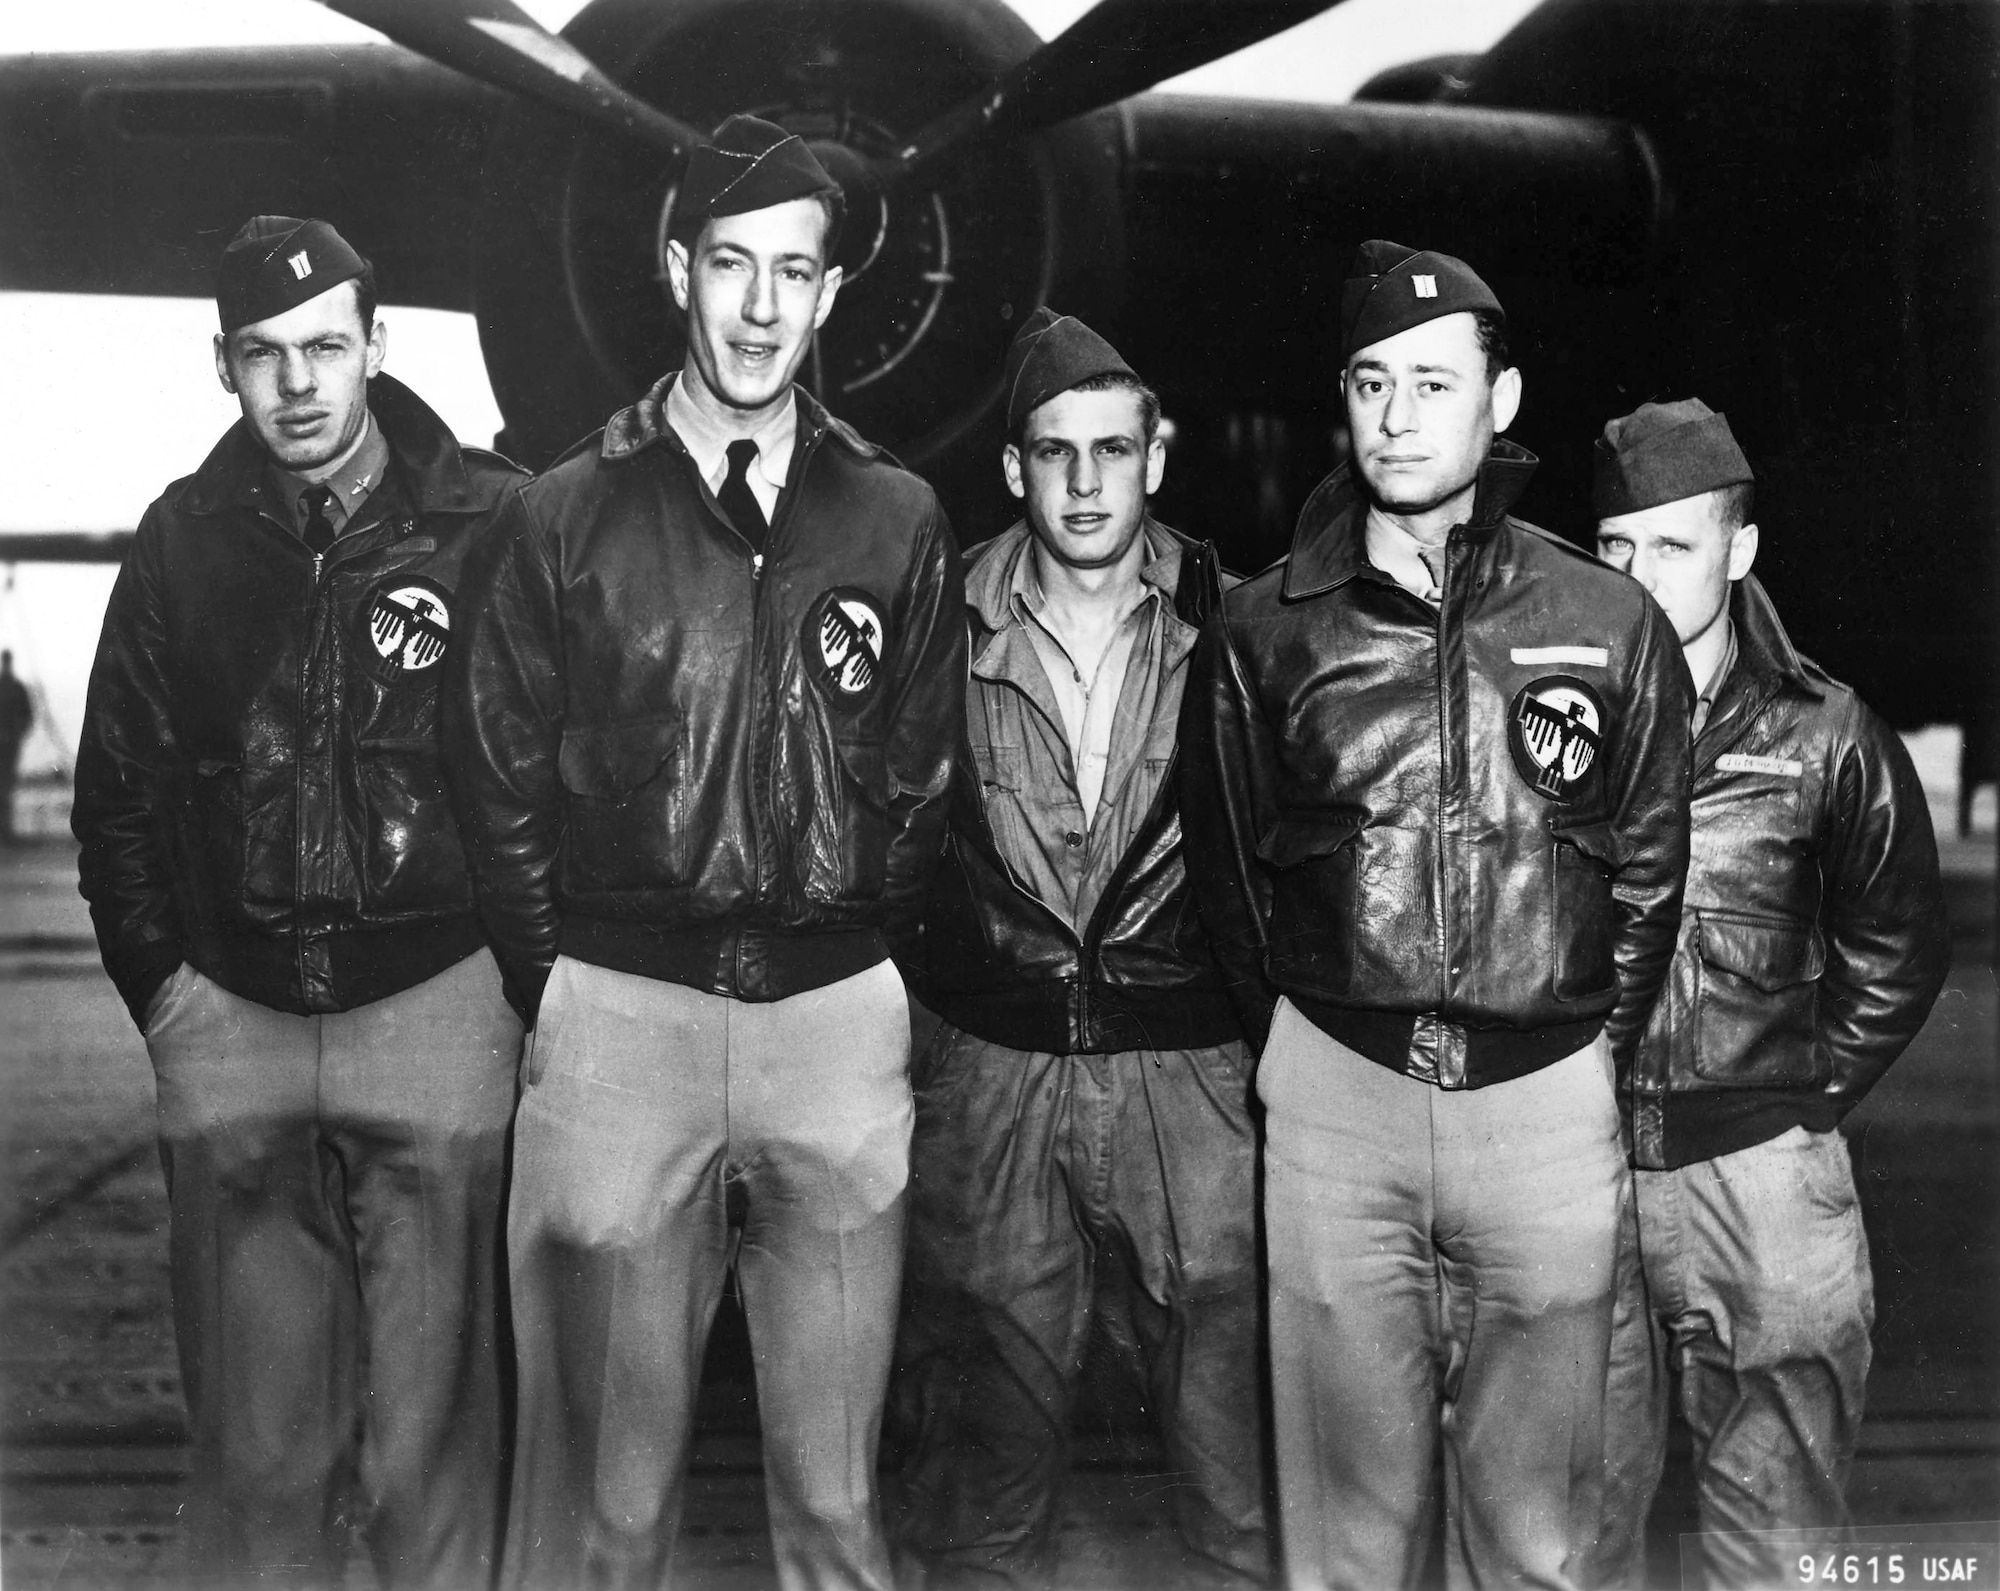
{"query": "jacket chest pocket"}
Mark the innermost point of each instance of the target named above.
(1756, 1000)
(845, 840)
(1583, 912)
(627, 807)
(411, 861)
(1316, 935)
(212, 832)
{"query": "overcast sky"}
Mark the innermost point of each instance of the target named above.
(103, 400)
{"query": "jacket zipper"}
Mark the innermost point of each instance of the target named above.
(1444, 767)
(761, 803)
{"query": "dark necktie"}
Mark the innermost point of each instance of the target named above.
(736, 498)
(319, 529)
(1434, 567)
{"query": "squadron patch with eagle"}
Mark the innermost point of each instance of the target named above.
(845, 640)
(407, 624)
(1555, 730)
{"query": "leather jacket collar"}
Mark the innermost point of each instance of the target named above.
(429, 466)
(640, 425)
(1762, 646)
(1328, 548)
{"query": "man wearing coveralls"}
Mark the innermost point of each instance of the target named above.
(1083, 1124)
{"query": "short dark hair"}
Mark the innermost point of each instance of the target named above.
(1109, 381)
(364, 295)
(1734, 503)
(834, 202)
(1491, 331)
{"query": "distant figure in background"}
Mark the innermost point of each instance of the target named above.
(1978, 760)
(280, 896)
(17, 717)
(1812, 942)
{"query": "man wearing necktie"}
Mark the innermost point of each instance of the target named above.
(281, 898)
(1812, 942)
(701, 739)
(1434, 786)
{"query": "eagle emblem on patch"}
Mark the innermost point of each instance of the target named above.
(408, 625)
(845, 635)
(1555, 730)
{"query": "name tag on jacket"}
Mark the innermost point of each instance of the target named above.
(1742, 762)
(1587, 656)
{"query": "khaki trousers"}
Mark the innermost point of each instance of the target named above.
(1441, 1272)
(336, 1184)
(651, 1110)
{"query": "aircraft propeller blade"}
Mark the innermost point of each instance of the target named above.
(499, 43)
(1116, 48)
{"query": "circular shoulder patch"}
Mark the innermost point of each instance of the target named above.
(407, 622)
(1555, 729)
(844, 640)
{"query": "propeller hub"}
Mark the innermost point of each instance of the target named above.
(866, 229)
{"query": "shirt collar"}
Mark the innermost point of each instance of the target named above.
(1397, 553)
(350, 484)
(1159, 576)
(708, 443)
(1723, 665)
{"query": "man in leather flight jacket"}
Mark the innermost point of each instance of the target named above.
(1812, 944)
(701, 740)
(1434, 785)
(1083, 1124)
(281, 899)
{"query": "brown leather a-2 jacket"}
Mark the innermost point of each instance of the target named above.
(259, 790)
(1455, 838)
(1813, 939)
(677, 757)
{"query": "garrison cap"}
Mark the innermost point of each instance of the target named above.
(747, 164)
(277, 262)
(1390, 288)
(1050, 354)
(1662, 452)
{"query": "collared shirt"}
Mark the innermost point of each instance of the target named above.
(708, 445)
(1400, 556)
(1088, 706)
(1704, 704)
(1024, 746)
(351, 484)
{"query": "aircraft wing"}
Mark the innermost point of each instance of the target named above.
(125, 172)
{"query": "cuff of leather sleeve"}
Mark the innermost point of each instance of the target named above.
(523, 990)
(1254, 1009)
(146, 973)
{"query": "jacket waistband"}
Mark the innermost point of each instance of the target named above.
(362, 965)
(1071, 1017)
(743, 963)
(1492, 1055)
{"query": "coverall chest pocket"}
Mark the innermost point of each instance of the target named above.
(627, 808)
(1756, 1000)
